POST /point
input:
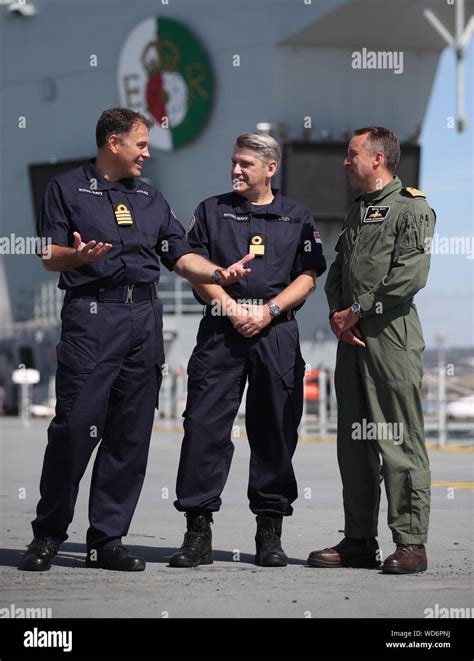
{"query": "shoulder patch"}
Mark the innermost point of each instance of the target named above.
(192, 222)
(376, 214)
(414, 192)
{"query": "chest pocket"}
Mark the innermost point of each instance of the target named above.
(93, 217)
(370, 233)
(282, 236)
(146, 216)
(122, 209)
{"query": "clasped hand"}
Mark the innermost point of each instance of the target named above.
(249, 320)
(344, 326)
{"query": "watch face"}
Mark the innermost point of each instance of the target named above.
(274, 309)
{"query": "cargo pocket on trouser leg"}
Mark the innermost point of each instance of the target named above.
(293, 382)
(420, 495)
(196, 371)
(73, 370)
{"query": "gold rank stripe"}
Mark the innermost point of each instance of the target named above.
(123, 215)
(466, 486)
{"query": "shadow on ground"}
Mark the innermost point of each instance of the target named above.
(151, 555)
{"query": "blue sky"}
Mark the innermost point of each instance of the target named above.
(446, 305)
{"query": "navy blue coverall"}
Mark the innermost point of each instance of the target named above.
(224, 360)
(111, 349)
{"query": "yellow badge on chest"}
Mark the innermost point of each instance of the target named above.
(123, 215)
(257, 245)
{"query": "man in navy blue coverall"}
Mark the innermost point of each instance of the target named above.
(109, 230)
(248, 335)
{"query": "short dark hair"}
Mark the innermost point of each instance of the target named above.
(119, 121)
(383, 140)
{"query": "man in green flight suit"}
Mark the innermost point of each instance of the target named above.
(382, 261)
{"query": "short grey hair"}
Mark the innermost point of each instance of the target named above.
(266, 147)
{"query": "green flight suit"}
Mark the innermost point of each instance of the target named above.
(383, 257)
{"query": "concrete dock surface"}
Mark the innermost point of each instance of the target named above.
(232, 587)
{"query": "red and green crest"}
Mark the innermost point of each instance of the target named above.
(165, 74)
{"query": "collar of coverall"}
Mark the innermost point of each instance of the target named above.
(128, 185)
(376, 195)
(242, 205)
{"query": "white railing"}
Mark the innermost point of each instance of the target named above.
(178, 299)
(321, 424)
(175, 293)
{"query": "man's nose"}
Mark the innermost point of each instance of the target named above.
(236, 169)
(346, 161)
(146, 153)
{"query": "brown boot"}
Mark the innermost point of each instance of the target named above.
(407, 559)
(348, 553)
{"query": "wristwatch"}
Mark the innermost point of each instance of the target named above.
(356, 309)
(216, 277)
(275, 309)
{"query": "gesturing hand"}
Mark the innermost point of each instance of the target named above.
(236, 271)
(91, 251)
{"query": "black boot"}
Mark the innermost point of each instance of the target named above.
(117, 558)
(39, 555)
(196, 549)
(268, 541)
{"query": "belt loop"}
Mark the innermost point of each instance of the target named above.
(155, 290)
(100, 296)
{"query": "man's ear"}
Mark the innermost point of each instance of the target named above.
(271, 168)
(113, 142)
(379, 159)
